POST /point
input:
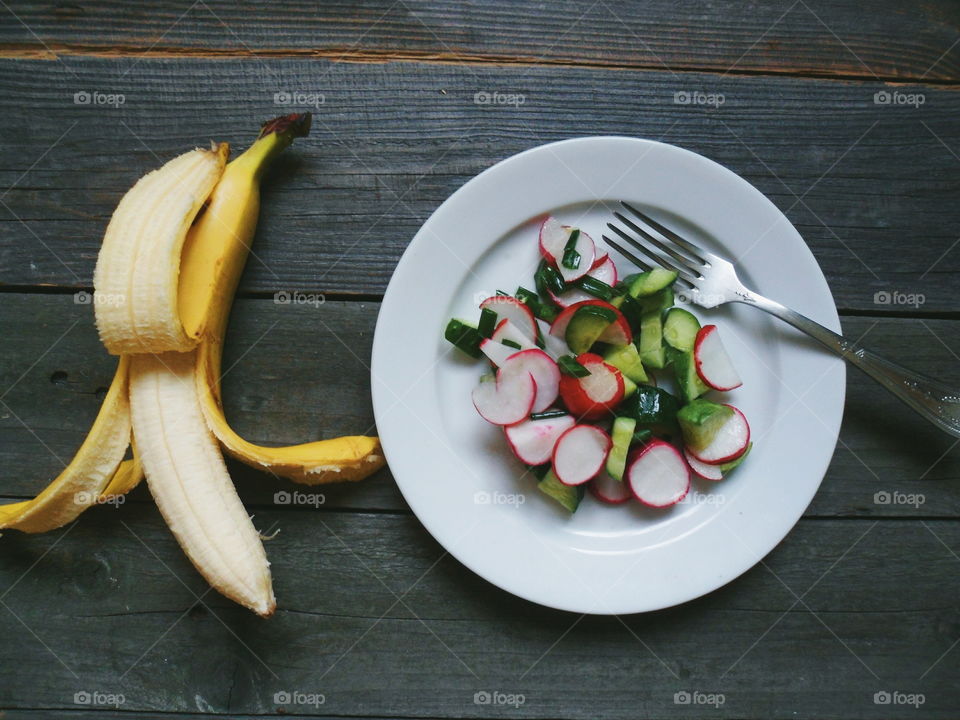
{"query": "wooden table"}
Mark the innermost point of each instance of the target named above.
(844, 114)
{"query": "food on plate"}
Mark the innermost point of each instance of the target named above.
(573, 379)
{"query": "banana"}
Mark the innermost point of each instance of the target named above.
(212, 260)
(189, 481)
(136, 277)
(89, 473)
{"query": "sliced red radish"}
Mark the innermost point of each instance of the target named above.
(585, 248)
(506, 399)
(509, 308)
(580, 454)
(658, 475)
(544, 371)
(556, 347)
(601, 256)
(553, 239)
(605, 272)
(707, 472)
(506, 330)
(618, 333)
(608, 490)
(595, 395)
(712, 361)
(730, 442)
(533, 440)
(496, 351)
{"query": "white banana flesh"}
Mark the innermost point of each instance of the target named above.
(189, 481)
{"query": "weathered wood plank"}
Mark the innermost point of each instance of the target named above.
(113, 602)
(291, 379)
(828, 38)
(389, 146)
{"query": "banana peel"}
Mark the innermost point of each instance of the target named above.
(96, 470)
(212, 261)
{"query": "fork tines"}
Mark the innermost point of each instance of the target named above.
(671, 251)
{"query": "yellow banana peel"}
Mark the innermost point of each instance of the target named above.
(212, 260)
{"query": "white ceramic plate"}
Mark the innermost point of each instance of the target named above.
(456, 471)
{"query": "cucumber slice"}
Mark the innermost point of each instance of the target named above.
(689, 383)
(700, 421)
(727, 467)
(661, 301)
(680, 329)
(653, 408)
(626, 359)
(622, 435)
(631, 309)
(629, 386)
(649, 282)
(651, 340)
(464, 336)
(586, 326)
(568, 496)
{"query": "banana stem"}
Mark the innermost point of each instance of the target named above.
(275, 136)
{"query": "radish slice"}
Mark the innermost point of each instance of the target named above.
(580, 454)
(556, 347)
(608, 490)
(544, 371)
(497, 352)
(601, 256)
(506, 330)
(509, 308)
(506, 399)
(595, 395)
(533, 440)
(713, 363)
(605, 272)
(658, 475)
(707, 472)
(553, 238)
(731, 441)
(618, 333)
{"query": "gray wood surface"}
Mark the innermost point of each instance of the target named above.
(872, 188)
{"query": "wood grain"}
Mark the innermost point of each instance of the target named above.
(298, 373)
(376, 618)
(841, 38)
(871, 188)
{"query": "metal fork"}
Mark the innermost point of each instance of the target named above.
(711, 280)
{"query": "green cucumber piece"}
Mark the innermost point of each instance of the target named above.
(653, 408)
(700, 421)
(622, 436)
(727, 467)
(647, 283)
(626, 359)
(586, 326)
(464, 336)
(660, 301)
(651, 340)
(685, 372)
(629, 386)
(569, 497)
(680, 329)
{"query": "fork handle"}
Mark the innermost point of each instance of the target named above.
(934, 400)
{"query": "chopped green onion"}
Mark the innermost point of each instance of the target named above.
(547, 414)
(501, 293)
(539, 307)
(597, 288)
(464, 336)
(571, 258)
(569, 366)
(488, 322)
(511, 343)
(548, 280)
